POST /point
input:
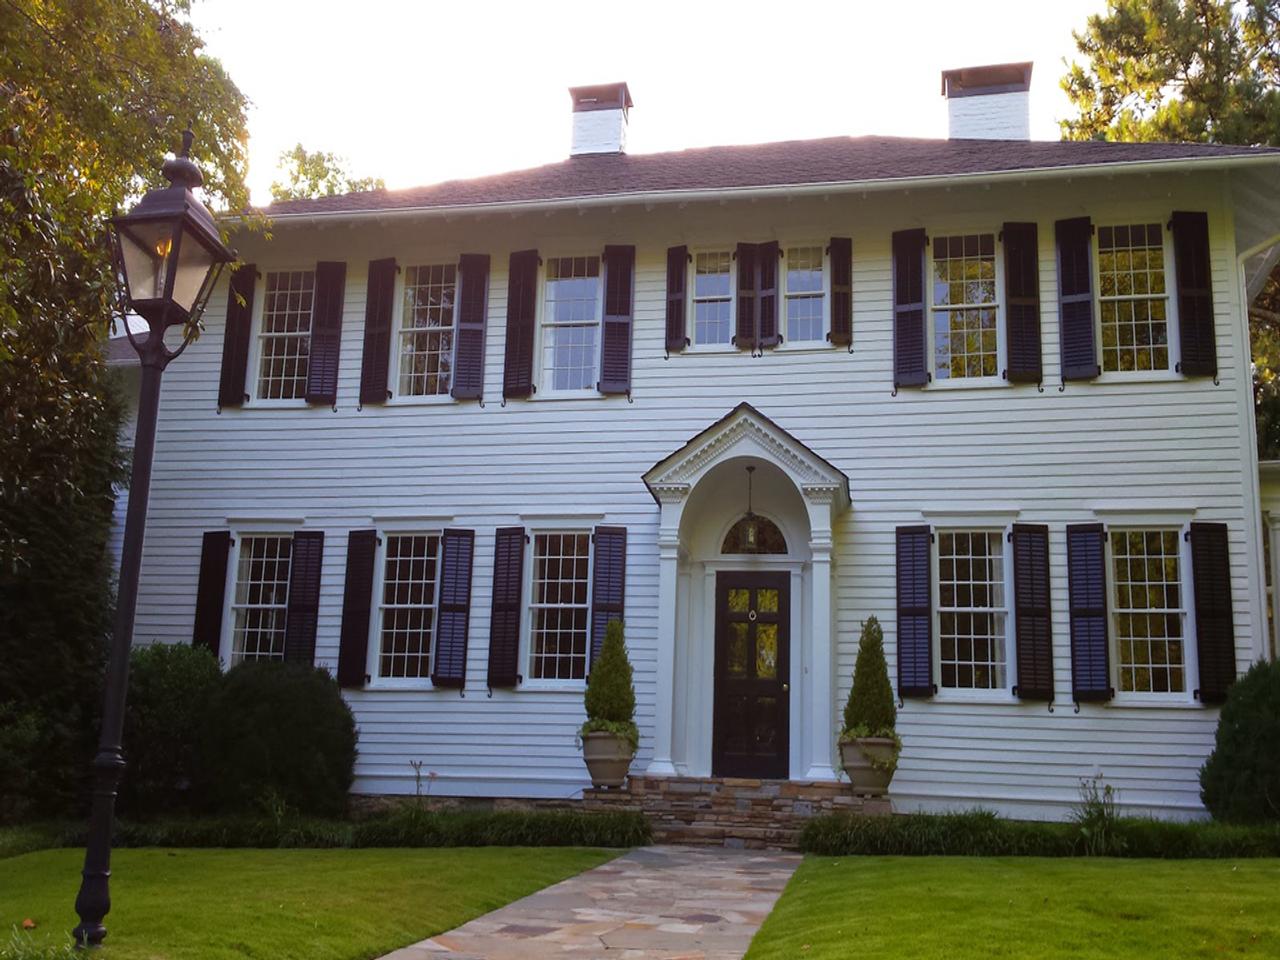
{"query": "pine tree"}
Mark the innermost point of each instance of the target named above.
(869, 710)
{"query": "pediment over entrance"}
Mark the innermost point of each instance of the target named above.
(746, 432)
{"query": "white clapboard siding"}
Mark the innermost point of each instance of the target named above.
(1160, 440)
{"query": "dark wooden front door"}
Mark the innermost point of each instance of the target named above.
(750, 735)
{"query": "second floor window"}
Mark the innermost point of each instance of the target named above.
(1132, 300)
(571, 323)
(971, 610)
(284, 338)
(426, 330)
(559, 612)
(712, 298)
(965, 324)
(805, 294)
(260, 599)
(407, 611)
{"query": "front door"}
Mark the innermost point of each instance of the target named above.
(752, 689)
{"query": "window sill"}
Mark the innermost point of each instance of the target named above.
(710, 348)
(1138, 376)
(969, 383)
(804, 346)
(1170, 701)
(553, 686)
(281, 405)
(438, 400)
(997, 698)
(592, 394)
(395, 683)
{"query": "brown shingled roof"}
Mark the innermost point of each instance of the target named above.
(788, 163)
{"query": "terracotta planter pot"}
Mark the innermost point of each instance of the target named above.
(867, 781)
(608, 759)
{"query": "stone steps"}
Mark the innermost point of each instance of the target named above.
(731, 811)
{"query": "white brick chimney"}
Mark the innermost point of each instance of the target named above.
(600, 118)
(988, 103)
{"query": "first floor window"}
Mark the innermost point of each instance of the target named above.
(260, 600)
(407, 612)
(559, 612)
(571, 323)
(1132, 300)
(284, 338)
(965, 307)
(426, 330)
(712, 297)
(971, 609)
(1148, 610)
(804, 294)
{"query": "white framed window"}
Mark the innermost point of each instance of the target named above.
(713, 297)
(408, 596)
(1148, 612)
(1133, 299)
(428, 320)
(965, 307)
(260, 597)
(805, 295)
(972, 615)
(559, 604)
(571, 324)
(284, 334)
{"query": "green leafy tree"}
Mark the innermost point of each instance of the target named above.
(869, 711)
(92, 95)
(1190, 70)
(317, 174)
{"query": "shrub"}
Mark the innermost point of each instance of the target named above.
(19, 744)
(1240, 782)
(279, 737)
(170, 689)
(611, 696)
(410, 827)
(869, 711)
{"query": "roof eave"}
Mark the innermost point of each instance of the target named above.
(1167, 165)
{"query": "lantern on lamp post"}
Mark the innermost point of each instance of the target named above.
(169, 255)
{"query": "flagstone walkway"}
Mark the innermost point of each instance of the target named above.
(656, 903)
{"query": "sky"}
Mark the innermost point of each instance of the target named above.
(419, 92)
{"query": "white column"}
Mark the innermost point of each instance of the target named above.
(672, 500)
(821, 681)
(1273, 536)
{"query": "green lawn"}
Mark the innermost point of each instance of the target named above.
(279, 904)
(876, 908)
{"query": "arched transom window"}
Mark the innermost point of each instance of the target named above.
(754, 534)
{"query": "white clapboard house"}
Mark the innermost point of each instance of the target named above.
(994, 392)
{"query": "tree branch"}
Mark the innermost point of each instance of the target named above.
(1267, 316)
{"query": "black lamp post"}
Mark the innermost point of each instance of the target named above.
(169, 255)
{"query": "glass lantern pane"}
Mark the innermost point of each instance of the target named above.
(194, 263)
(145, 249)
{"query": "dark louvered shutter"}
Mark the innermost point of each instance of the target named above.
(745, 337)
(211, 591)
(1032, 611)
(910, 366)
(1075, 299)
(473, 312)
(767, 256)
(504, 615)
(326, 333)
(677, 290)
(357, 608)
(1087, 589)
(235, 339)
(522, 293)
(608, 582)
(840, 255)
(1022, 302)
(1195, 294)
(1215, 632)
(615, 337)
(304, 596)
(915, 612)
(378, 307)
(453, 615)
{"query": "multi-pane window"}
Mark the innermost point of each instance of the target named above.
(1132, 299)
(426, 330)
(965, 325)
(971, 609)
(407, 613)
(571, 323)
(1148, 610)
(804, 294)
(284, 341)
(712, 297)
(559, 613)
(260, 600)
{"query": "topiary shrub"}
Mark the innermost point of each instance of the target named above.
(611, 695)
(279, 738)
(869, 711)
(1240, 782)
(170, 689)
